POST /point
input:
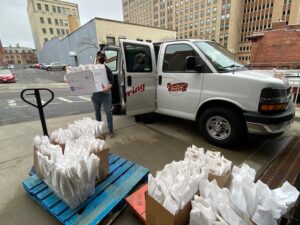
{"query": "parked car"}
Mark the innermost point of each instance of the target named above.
(6, 76)
(11, 67)
(55, 66)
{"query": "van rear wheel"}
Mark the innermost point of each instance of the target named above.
(222, 126)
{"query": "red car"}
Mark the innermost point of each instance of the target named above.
(6, 76)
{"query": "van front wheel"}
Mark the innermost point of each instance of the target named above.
(221, 126)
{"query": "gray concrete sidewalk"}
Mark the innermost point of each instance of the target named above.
(152, 146)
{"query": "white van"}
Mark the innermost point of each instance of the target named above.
(200, 80)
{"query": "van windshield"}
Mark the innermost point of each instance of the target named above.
(221, 58)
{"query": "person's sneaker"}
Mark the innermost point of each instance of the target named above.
(111, 134)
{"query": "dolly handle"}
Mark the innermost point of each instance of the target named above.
(36, 92)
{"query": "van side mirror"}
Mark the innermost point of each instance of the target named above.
(192, 63)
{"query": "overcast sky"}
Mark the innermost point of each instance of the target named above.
(14, 23)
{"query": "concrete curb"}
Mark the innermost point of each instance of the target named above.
(19, 87)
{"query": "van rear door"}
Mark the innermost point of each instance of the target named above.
(139, 71)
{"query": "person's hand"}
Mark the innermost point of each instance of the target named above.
(106, 88)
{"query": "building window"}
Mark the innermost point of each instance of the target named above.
(67, 31)
(62, 31)
(207, 30)
(44, 30)
(58, 31)
(208, 2)
(208, 12)
(47, 8)
(49, 21)
(54, 9)
(201, 22)
(39, 6)
(56, 21)
(112, 40)
(202, 13)
(61, 22)
(51, 30)
(207, 21)
(58, 10)
(202, 4)
(201, 31)
(213, 30)
(214, 20)
(215, 10)
(42, 20)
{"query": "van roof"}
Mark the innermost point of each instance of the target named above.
(190, 40)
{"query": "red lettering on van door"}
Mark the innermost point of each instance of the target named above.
(135, 90)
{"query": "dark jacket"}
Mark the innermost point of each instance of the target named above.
(110, 76)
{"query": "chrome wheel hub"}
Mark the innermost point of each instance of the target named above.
(218, 127)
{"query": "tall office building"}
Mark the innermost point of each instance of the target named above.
(51, 18)
(228, 22)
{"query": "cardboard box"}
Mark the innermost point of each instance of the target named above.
(103, 164)
(101, 137)
(156, 214)
(222, 181)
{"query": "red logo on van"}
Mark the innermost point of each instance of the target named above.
(177, 86)
(134, 90)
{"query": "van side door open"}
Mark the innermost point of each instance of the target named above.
(140, 77)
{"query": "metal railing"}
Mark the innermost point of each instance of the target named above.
(293, 76)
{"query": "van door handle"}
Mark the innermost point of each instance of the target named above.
(159, 80)
(129, 81)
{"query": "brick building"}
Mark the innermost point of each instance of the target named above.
(19, 55)
(278, 47)
(2, 55)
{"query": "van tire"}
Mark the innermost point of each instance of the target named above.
(222, 126)
(138, 118)
(48, 68)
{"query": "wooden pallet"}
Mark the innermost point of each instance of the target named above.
(124, 177)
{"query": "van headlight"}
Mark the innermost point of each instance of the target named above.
(273, 100)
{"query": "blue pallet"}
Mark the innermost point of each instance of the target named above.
(123, 178)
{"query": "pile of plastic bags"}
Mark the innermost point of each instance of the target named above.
(85, 126)
(71, 174)
(211, 161)
(176, 184)
(243, 203)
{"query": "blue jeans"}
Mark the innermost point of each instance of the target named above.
(105, 98)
